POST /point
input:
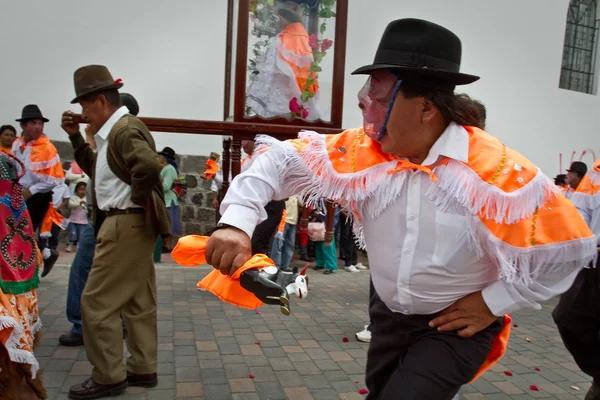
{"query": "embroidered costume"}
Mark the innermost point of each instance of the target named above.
(19, 262)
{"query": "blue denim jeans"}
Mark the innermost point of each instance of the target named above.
(283, 247)
(75, 232)
(80, 269)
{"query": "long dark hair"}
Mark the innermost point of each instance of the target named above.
(459, 108)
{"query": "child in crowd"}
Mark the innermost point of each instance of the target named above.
(325, 254)
(78, 218)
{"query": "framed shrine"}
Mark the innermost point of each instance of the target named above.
(284, 73)
(289, 62)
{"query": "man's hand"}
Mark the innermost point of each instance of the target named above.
(27, 194)
(228, 249)
(468, 316)
(68, 123)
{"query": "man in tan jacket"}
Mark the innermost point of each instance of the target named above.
(127, 191)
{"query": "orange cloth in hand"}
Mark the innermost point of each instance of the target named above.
(190, 252)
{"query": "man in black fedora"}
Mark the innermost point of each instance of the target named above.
(575, 174)
(445, 209)
(127, 190)
(43, 173)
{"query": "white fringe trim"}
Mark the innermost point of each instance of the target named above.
(19, 355)
(373, 183)
(459, 187)
(524, 265)
(41, 165)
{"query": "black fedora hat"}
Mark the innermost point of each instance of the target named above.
(415, 48)
(92, 79)
(578, 167)
(167, 151)
(31, 111)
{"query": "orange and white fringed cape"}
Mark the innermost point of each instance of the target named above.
(515, 208)
(42, 160)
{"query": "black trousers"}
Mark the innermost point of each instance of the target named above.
(410, 361)
(577, 317)
(266, 229)
(348, 244)
(37, 206)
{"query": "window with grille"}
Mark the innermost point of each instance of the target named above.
(580, 48)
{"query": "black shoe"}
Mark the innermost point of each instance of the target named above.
(49, 262)
(306, 258)
(319, 268)
(594, 392)
(328, 272)
(71, 339)
(89, 389)
(145, 380)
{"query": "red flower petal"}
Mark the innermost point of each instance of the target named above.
(356, 382)
(363, 391)
(258, 343)
(258, 312)
(534, 388)
(537, 369)
(507, 373)
(345, 340)
(251, 376)
(515, 325)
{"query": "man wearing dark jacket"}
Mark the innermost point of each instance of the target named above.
(126, 180)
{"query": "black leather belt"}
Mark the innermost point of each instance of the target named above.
(116, 211)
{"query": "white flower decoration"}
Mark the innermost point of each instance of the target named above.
(518, 167)
(505, 171)
(520, 180)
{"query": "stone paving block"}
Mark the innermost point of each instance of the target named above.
(298, 357)
(263, 374)
(316, 382)
(213, 376)
(270, 390)
(508, 388)
(242, 385)
(324, 394)
(289, 378)
(281, 364)
(246, 396)
(189, 389)
(235, 371)
(187, 374)
(298, 393)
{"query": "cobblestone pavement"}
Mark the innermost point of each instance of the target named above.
(211, 350)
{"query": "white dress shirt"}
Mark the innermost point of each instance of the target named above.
(419, 256)
(111, 192)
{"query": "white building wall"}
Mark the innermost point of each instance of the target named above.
(171, 57)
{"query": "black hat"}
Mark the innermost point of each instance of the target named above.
(560, 179)
(578, 167)
(130, 102)
(420, 49)
(30, 112)
(167, 151)
(92, 79)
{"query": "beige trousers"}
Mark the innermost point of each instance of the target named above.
(122, 281)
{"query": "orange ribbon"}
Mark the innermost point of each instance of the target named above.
(404, 165)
